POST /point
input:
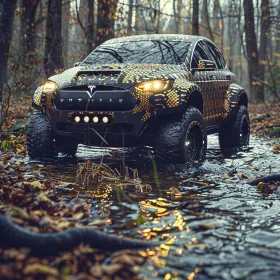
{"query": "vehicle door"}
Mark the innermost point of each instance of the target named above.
(223, 78)
(205, 79)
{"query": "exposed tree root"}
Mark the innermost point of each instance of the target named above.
(12, 235)
(266, 179)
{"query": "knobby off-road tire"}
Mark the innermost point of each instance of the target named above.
(182, 138)
(236, 133)
(40, 137)
(43, 143)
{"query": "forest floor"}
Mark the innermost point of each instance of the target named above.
(41, 198)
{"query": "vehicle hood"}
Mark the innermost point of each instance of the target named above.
(120, 75)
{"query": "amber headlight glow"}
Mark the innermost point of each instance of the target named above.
(155, 86)
(50, 86)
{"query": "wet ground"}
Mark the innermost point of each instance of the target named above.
(214, 225)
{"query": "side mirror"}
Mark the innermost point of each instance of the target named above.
(205, 65)
(76, 64)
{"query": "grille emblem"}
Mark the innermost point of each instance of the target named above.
(90, 94)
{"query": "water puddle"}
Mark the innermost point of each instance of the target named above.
(214, 225)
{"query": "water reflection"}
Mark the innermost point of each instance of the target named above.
(212, 224)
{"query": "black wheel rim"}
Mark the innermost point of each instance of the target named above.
(244, 131)
(194, 142)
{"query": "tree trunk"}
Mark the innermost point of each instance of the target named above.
(222, 26)
(53, 61)
(28, 28)
(129, 17)
(6, 24)
(65, 31)
(177, 8)
(195, 16)
(252, 52)
(179, 15)
(90, 25)
(106, 20)
(207, 19)
(265, 18)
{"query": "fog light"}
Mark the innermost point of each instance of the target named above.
(105, 119)
(95, 119)
(77, 119)
(86, 119)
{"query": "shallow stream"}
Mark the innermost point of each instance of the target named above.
(214, 225)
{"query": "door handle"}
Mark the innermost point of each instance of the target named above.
(228, 77)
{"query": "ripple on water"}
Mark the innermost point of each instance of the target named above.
(221, 227)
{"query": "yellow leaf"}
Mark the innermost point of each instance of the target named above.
(33, 186)
(78, 216)
(19, 212)
(259, 186)
(40, 268)
(208, 226)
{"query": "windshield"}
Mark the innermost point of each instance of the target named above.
(142, 52)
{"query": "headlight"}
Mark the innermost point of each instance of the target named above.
(50, 86)
(155, 86)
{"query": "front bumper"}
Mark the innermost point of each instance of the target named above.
(63, 123)
(128, 111)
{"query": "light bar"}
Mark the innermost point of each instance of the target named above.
(105, 119)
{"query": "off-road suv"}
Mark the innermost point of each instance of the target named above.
(164, 91)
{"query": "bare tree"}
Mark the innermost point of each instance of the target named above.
(195, 17)
(90, 25)
(177, 11)
(206, 19)
(252, 52)
(106, 20)
(28, 27)
(65, 31)
(6, 23)
(129, 17)
(53, 60)
(265, 18)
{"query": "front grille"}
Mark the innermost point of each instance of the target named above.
(100, 98)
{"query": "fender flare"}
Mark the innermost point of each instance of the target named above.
(36, 100)
(235, 96)
(195, 99)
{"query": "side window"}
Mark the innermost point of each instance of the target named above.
(216, 56)
(199, 53)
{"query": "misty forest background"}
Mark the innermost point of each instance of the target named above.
(39, 38)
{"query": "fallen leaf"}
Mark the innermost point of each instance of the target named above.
(259, 186)
(226, 176)
(19, 212)
(208, 226)
(40, 268)
(96, 270)
(32, 186)
(112, 268)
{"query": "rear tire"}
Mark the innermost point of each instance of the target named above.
(236, 133)
(182, 138)
(40, 137)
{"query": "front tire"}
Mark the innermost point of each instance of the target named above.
(236, 133)
(40, 137)
(182, 138)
